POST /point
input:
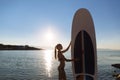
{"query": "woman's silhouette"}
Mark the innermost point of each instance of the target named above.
(59, 54)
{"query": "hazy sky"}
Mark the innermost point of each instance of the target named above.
(31, 21)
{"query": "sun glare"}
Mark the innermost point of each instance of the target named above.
(48, 61)
(49, 36)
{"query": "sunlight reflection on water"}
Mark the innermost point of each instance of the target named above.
(48, 61)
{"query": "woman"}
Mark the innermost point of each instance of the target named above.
(59, 54)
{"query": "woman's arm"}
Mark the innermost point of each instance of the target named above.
(66, 48)
(68, 60)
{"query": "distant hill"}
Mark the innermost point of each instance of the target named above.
(17, 47)
(99, 49)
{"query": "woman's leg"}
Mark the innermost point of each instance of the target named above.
(62, 74)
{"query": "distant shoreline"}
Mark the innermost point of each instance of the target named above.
(108, 49)
(18, 47)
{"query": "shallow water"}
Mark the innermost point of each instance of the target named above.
(41, 65)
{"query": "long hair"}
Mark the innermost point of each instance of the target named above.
(58, 46)
(55, 52)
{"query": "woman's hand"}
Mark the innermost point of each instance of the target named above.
(66, 48)
(76, 59)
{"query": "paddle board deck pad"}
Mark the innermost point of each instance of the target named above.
(83, 46)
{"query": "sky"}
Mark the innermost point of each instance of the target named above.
(44, 23)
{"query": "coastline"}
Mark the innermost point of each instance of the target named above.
(18, 47)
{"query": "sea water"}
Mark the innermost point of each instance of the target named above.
(41, 65)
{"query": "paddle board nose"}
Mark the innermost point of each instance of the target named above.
(83, 46)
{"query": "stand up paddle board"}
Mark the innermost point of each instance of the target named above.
(83, 46)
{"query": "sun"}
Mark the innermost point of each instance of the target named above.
(49, 36)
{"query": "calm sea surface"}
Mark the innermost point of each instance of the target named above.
(41, 65)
